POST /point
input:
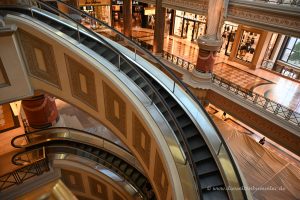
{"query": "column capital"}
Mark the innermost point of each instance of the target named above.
(209, 43)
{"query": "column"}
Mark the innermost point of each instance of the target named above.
(127, 17)
(159, 27)
(210, 43)
(40, 111)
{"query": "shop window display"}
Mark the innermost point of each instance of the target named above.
(228, 35)
(247, 46)
(188, 25)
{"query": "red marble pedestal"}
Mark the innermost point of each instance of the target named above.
(40, 111)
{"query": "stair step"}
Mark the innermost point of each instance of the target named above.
(206, 167)
(214, 195)
(201, 154)
(195, 142)
(211, 180)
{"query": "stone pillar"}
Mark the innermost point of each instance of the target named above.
(127, 17)
(208, 48)
(40, 111)
(210, 43)
(160, 13)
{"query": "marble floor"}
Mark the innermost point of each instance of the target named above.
(275, 87)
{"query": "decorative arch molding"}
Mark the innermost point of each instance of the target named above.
(111, 98)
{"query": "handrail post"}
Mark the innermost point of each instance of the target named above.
(119, 62)
(135, 54)
(78, 33)
(173, 87)
(219, 149)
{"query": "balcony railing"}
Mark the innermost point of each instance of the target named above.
(24, 173)
(260, 101)
(276, 2)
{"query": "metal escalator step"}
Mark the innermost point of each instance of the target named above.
(98, 49)
(215, 195)
(184, 121)
(195, 142)
(211, 180)
(190, 130)
(110, 158)
(117, 162)
(141, 181)
(135, 175)
(201, 154)
(131, 73)
(123, 166)
(129, 171)
(206, 167)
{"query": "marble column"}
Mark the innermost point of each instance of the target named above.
(208, 48)
(211, 42)
(127, 17)
(40, 111)
(159, 27)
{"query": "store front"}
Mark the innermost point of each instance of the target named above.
(228, 35)
(189, 26)
(137, 12)
(99, 9)
(248, 47)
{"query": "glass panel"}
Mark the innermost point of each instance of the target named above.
(178, 26)
(291, 43)
(295, 54)
(285, 55)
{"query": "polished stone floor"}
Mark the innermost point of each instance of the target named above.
(275, 87)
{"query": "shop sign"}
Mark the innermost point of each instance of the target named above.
(120, 2)
(149, 11)
(95, 2)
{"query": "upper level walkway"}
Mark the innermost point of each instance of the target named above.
(272, 86)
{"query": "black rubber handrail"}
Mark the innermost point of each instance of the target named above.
(177, 80)
(187, 149)
(26, 135)
(174, 78)
(86, 154)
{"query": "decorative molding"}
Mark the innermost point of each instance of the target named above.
(193, 6)
(115, 109)
(82, 82)
(4, 81)
(30, 43)
(97, 188)
(160, 178)
(267, 19)
(73, 180)
(117, 196)
(141, 140)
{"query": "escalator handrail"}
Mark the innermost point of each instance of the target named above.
(65, 128)
(14, 161)
(187, 150)
(174, 77)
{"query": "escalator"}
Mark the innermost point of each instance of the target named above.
(200, 155)
(52, 141)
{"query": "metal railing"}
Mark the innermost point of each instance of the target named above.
(258, 100)
(22, 174)
(276, 2)
(127, 42)
(282, 69)
(178, 61)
